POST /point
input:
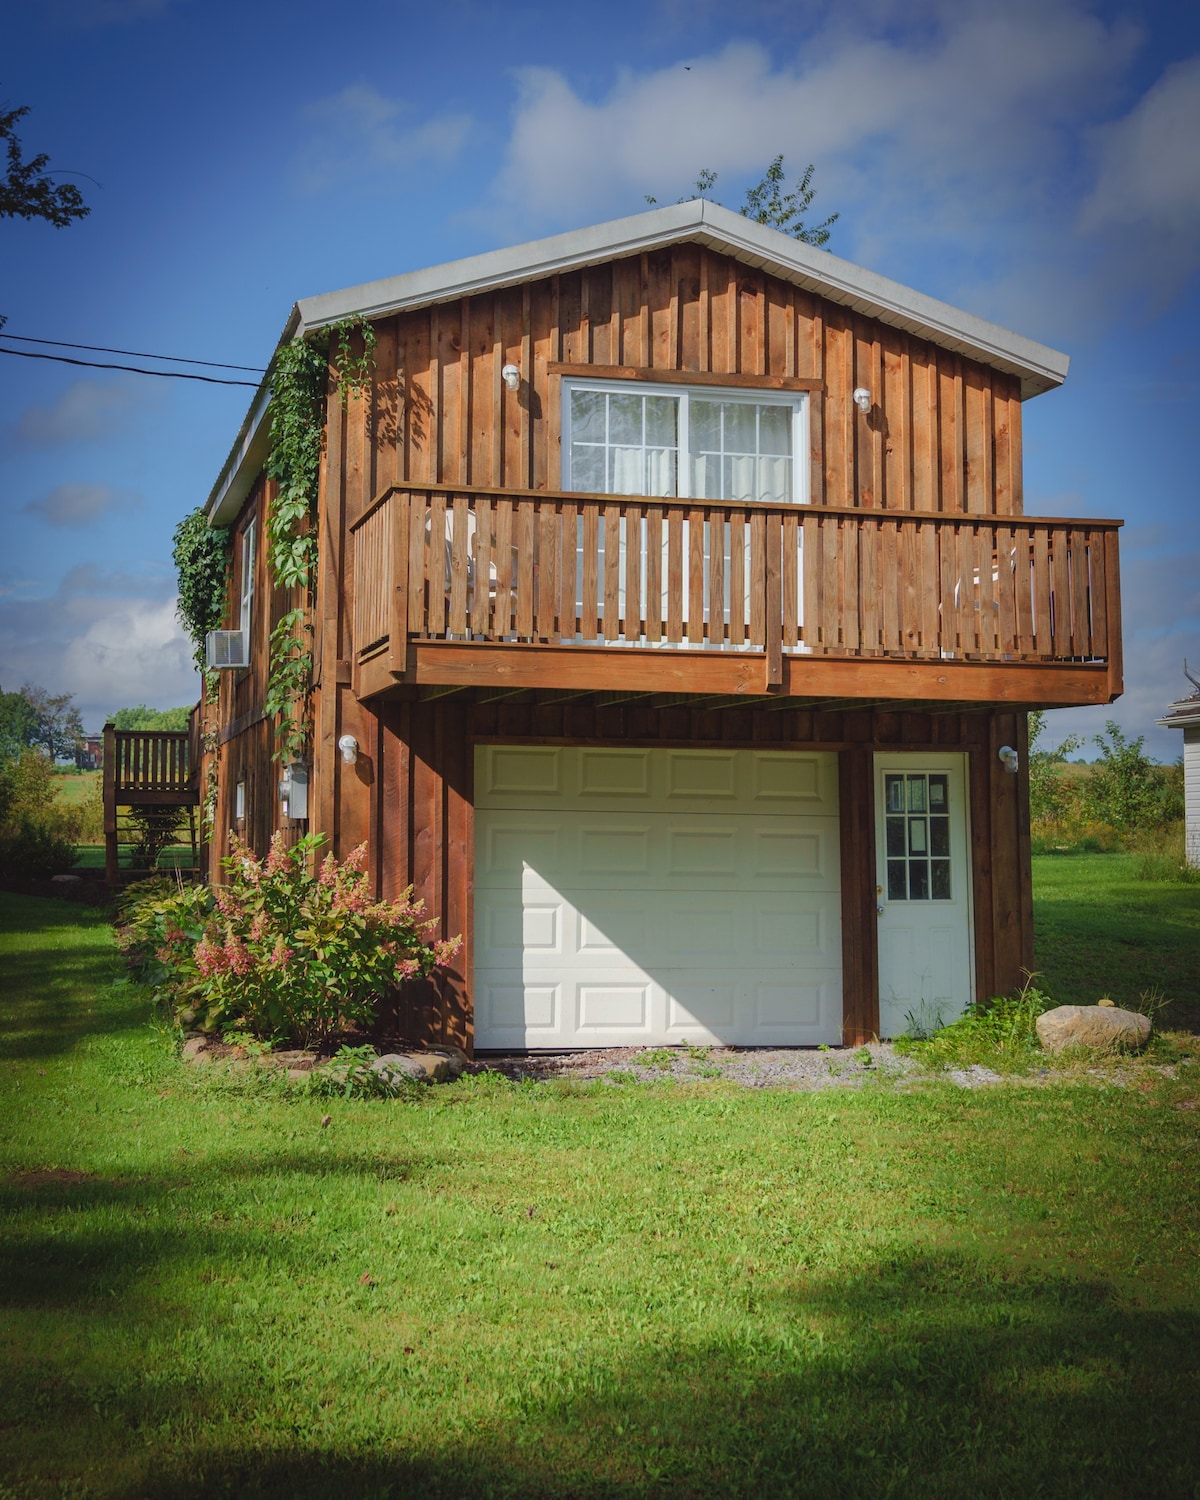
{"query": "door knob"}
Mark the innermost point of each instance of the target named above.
(879, 911)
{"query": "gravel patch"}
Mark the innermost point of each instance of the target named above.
(806, 1069)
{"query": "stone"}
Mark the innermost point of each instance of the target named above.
(1104, 1028)
(414, 1065)
(1107, 1003)
(195, 1049)
(64, 879)
(436, 1064)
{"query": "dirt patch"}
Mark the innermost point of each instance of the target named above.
(37, 1177)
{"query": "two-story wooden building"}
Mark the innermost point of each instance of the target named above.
(677, 618)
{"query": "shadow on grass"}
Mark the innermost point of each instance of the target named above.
(52, 999)
(923, 1375)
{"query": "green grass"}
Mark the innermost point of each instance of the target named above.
(73, 787)
(545, 1289)
(1102, 931)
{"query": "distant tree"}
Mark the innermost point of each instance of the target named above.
(142, 717)
(58, 722)
(1126, 789)
(18, 725)
(767, 203)
(1048, 794)
(26, 191)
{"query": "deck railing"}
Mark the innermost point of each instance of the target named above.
(148, 761)
(443, 563)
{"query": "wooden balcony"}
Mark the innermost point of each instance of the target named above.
(146, 769)
(529, 589)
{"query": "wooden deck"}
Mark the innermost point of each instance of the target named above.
(146, 769)
(461, 585)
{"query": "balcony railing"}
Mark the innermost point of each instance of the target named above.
(148, 764)
(452, 564)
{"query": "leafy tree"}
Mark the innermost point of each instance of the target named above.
(37, 835)
(142, 717)
(767, 203)
(58, 722)
(26, 191)
(18, 725)
(1126, 789)
(1047, 791)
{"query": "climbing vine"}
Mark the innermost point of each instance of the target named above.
(300, 376)
(201, 557)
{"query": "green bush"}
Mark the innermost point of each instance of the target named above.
(1001, 1032)
(288, 953)
(37, 833)
(157, 920)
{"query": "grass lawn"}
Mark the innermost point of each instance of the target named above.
(589, 1290)
(1101, 931)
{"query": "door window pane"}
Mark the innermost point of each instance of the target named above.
(917, 837)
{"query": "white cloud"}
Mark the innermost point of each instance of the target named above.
(360, 130)
(107, 638)
(1147, 191)
(78, 505)
(84, 411)
(982, 91)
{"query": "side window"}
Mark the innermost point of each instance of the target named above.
(247, 571)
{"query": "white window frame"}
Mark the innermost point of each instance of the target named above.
(249, 547)
(798, 400)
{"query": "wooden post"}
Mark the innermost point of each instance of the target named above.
(112, 871)
(399, 509)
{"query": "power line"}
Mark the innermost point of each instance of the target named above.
(173, 359)
(96, 364)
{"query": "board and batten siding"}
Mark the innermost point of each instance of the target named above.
(1191, 792)
(943, 432)
(412, 794)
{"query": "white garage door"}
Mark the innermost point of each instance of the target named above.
(639, 897)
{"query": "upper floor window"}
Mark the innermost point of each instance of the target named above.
(622, 438)
(247, 572)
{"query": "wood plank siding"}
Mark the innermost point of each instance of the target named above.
(465, 598)
(943, 568)
(418, 786)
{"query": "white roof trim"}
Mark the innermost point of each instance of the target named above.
(1038, 367)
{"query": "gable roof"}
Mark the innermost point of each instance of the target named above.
(1182, 715)
(697, 222)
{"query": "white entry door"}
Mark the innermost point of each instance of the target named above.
(923, 895)
(636, 896)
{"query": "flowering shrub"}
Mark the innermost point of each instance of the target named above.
(158, 922)
(292, 955)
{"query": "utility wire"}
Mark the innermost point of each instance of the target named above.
(173, 359)
(96, 364)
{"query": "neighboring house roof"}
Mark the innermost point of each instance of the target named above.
(697, 222)
(1184, 714)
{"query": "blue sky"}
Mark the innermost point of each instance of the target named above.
(1038, 164)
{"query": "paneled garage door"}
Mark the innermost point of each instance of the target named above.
(637, 897)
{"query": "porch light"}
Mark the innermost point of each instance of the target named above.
(1009, 758)
(862, 399)
(348, 745)
(511, 377)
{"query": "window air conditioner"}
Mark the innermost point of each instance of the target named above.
(226, 648)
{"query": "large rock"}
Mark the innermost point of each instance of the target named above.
(1104, 1028)
(432, 1065)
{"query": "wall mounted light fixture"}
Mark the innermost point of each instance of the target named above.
(862, 399)
(1009, 758)
(348, 745)
(511, 377)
